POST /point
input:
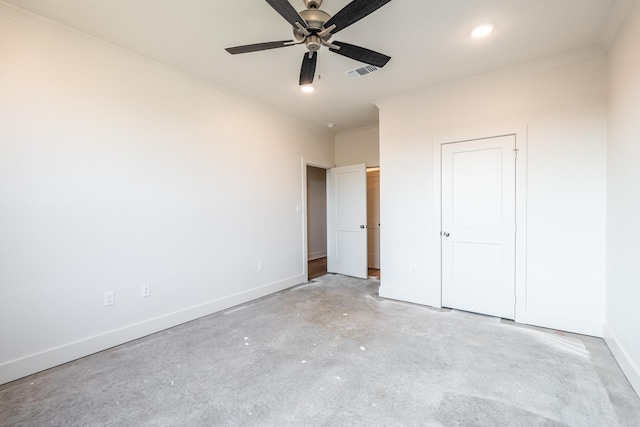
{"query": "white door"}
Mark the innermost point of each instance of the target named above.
(347, 249)
(478, 226)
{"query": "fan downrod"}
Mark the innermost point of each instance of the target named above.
(312, 4)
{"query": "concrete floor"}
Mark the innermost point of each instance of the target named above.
(331, 353)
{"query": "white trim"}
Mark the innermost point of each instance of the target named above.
(626, 362)
(562, 323)
(437, 219)
(317, 164)
(574, 57)
(522, 137)
(317, 255)
(617, 17)
(18, 368)
(520, 133)
(356, 130)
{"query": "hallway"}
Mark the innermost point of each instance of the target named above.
(318, 267)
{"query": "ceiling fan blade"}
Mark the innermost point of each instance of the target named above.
(284, 8)
(353, 12)
(257, 47)
(308, 70)
(361, 54)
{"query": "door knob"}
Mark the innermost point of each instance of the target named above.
(363, 226)
(446, 234)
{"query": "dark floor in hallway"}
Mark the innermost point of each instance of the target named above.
(318, 267)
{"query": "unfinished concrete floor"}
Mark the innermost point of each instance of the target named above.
(331, 353)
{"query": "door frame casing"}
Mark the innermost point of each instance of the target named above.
(520, 133)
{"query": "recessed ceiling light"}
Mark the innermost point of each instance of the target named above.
(307, 88)
(330, 125)
(482, 31)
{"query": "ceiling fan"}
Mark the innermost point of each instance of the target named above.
(314, 28)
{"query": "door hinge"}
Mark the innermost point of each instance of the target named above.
(515, 152)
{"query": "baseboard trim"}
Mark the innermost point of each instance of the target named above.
(408, 296)
(627, 364)
(545, 320)
(317, 255)
(19, 368)
(562, 323)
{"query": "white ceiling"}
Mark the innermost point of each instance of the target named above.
(428, 41)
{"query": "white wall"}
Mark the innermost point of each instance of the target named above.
(561, 103)
(623, 200)
(358, 146)
(316, 212)
(115, 172)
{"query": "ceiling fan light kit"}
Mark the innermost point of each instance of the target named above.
(314, 28)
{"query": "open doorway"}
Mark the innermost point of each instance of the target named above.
(373, 222)
(317, 230)
(316, 221)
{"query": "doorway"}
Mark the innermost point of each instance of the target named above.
(317, 240)
(373, 222)
(478, 214)
(316, 221)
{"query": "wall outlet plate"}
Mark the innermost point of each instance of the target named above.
(145, 290)
(109, 298)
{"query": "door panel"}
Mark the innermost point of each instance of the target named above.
(478, 225)
(347, 221)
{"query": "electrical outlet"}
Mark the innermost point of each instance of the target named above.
(145, 290)
(109, 298)
(260, 265)
(414, 269)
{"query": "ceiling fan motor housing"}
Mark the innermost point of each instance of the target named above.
(315, 18)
